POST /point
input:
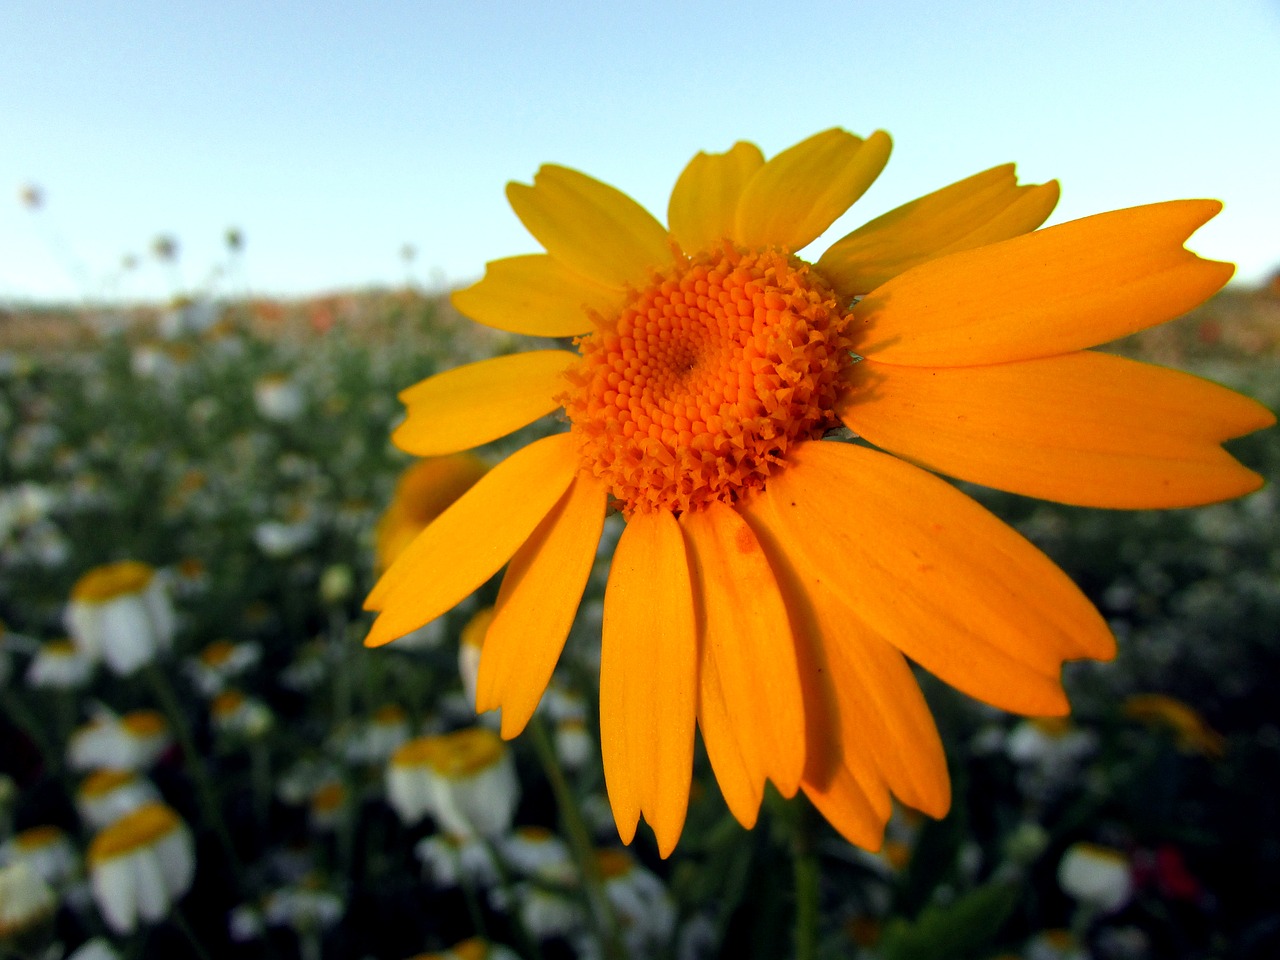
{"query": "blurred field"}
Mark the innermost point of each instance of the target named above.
(144, 434)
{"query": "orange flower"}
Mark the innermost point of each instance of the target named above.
(770, 583)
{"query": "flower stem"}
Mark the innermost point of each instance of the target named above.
(804, 862)
(600, 910)
(205, 795)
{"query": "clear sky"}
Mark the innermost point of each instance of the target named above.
(332, 134)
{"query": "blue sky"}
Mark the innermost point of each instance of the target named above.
(334, 133)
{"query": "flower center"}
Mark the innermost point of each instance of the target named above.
(696, 392)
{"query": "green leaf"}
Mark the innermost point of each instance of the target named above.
(955, 931)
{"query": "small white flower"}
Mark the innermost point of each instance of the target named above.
(374, 741)
(451, 860)
(646, 913)
(25, 899)
(574, 745)
(278, 539)
(234, 714)
(466, 780)
(60, 665)
(539, 854)
(108, 795)
(306, 907)
(121, 613)
(132, 742)
(221, 661)
(327, 804)
(278, 398)
(140, 866)
(1096, 875)
(469, 644)
(96, 949)
(46, 850)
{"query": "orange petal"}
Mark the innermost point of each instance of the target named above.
(843, 802)
(473, 404)
(470, 541)
(985, 208)
(1045, 293)
(704, 201)
(794, 197)
(536, 295)
(536, 605)
(749, 704)
(648, 679)
(1084, 428)
(933, 573)
(592, 228)
(884, 732)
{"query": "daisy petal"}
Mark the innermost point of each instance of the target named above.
(844, 804)
(590, 227)
(934, 573)
(648, 676)
(536, 605)
(470, 541)
(884, 732)
(1054, 291)
(704, 200)
(1086, 428)
(536, 295)
(473, 404)
(794, 197)
(749, 703)
(985, 208)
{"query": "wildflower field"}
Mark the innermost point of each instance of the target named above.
(217, 766)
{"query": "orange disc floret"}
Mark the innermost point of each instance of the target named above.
(707, 378)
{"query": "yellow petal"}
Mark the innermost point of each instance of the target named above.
(473, 404)
(538, 296)
(1054, 291)
(591, 227)
(1084, 428)
(704, 201)
(648, 679)
(985, 208)
(883, 731)
(749, 705)
(472, 539)
(536, 605)
(794, 197)
(933, 573)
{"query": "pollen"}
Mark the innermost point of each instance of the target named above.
(707, 378)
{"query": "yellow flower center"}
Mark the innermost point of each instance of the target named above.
(390, 715)
(466, 752)
(329, 797)
(103, 782)
(132, 832)
(696, 392)
(226, 703)
(613, 863)
(113, 580)
(37, 838)
(217, 653)
(144, 723)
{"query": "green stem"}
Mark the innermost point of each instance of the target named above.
(180, 922)
(804, 862)
(27, 722)
(205, 795)
(600, 910)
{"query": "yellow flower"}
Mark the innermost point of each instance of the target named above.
(422, 493)
(769, 583)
